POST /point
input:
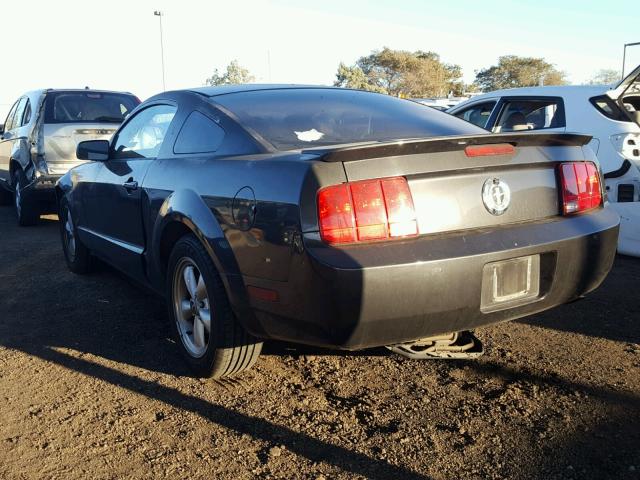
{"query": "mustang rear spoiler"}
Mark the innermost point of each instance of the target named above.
(360, 151)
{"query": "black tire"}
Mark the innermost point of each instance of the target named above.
(27, 210)
(6, 197)
(229, 349)
(77, 255)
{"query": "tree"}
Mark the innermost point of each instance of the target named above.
(354, 77)
(401, 73)
(605, 76)
(235, 74)
(513, 71)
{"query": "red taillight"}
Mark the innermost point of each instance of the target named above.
(366, 211)
(580, 187)
(488, 150)
(335, 211)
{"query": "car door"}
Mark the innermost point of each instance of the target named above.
(526, 113)
(113, 203)
(7, 139)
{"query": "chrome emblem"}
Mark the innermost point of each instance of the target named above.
(496, 196)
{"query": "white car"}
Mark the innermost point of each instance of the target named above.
(610, 114)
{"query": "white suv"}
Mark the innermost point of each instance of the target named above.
(610, 115)
(39, 137)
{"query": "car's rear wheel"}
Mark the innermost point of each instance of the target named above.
(211, 339)
(76, 254)
(6, 198)
(26, 208)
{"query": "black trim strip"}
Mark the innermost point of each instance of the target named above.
(350, 153)
(624, 168)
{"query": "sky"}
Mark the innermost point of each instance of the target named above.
(115, 44)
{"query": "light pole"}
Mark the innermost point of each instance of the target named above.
(624, 55)
(158, 14)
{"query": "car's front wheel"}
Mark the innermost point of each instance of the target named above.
(6, 198)
(76, 254)
(26, 208)
(211, 339)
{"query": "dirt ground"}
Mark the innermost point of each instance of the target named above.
(91, 386)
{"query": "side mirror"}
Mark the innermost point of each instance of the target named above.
(1, 128)
(94, 150)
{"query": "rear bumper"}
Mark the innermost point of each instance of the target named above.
(381, 294)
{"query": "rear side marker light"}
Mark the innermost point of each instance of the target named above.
(579, 186)
(489, 150)
(368, 210)
(264, 294)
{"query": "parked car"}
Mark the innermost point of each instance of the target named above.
(336, 218)
(39, 137)
(610, 114)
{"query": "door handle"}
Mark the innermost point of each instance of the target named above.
(130, 185)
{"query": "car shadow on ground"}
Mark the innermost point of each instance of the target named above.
(610, 312)
(584, 451)
(105, 315)
(260, 429)
(623, 427)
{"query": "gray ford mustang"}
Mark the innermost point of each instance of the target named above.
(335, 218)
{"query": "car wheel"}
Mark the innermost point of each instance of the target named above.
(6, 198)
(26, 209)
(211, 339)
(76, 255)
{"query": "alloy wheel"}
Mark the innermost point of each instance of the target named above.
(69, 235)
(192, 307)
(18, 197)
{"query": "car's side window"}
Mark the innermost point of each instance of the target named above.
(199, 134)
(8, 124)
(530, 114)
(26, 117)
(17, 118)
(477, 114)
(142, 136)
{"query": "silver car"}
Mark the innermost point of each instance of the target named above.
(39, 137)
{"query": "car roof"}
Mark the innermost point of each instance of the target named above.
(556, 90)
(53, 90)
(252, 87)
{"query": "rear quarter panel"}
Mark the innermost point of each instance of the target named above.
(262, 248)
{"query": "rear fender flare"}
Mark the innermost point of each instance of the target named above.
(189, 209)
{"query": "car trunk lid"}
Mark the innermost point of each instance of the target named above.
(630, 85)
(449, 187)
(60, 142)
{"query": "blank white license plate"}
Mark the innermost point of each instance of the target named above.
(510, 282)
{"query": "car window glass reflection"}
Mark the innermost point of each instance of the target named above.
(142, 137)
(530, 115)
(478, 114)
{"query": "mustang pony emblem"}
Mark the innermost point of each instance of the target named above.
(496, 196)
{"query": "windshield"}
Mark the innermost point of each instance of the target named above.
(307, 117)
(88, 107)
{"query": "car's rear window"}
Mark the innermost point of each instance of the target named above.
(88, 107)
(609, 108)
(306, 117)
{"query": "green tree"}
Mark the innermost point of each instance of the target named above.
(513, 71)
(402, 73)
(605, 76)
(234, 74)
(354, 77)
